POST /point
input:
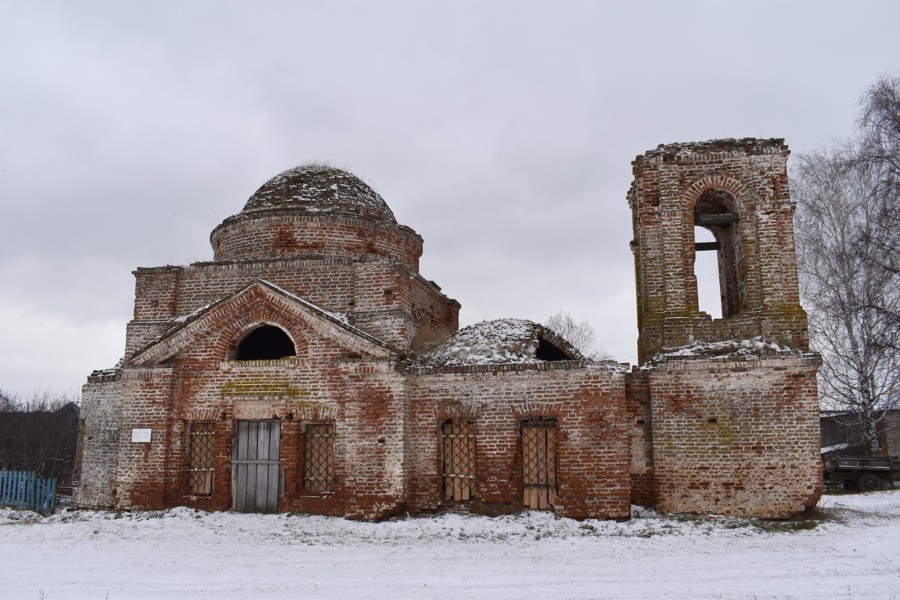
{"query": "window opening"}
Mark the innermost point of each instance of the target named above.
(265, 343)
(458, 441)
(717, 228)
(539, 463)
(202, 450)
(706, 271)
(549, 352)
(318, 467)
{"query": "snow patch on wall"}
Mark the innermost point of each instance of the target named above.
(725, 350)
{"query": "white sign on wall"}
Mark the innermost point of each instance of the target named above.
(141, 435)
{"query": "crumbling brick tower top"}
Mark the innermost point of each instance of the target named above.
(738, 190)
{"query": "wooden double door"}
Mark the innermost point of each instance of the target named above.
(256, 474)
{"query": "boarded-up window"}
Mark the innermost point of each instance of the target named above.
(318, 459)
(539, 463)
(201, 457)
(458, 439)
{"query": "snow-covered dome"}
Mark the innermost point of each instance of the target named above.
(319, 189)
(504, 341)
(315, 211)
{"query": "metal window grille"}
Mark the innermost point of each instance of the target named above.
(458, 441)
(539, 463)
(318, 472)
(202, 441)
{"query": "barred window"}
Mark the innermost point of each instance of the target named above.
(201, 457)
(458, 441)
(539, 446)
(318, 459)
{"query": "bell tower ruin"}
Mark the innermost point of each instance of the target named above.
(726, 408)
(738, 190)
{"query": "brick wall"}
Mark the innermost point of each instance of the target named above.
(640, 436)
(387, 451)
(736, 437)
(335, 377)
(587, 403)
(275, 233)
(143, 471)
(98, 436)
(383, 298)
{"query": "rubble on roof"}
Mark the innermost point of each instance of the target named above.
(502, 341)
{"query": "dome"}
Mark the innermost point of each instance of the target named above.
(503, 341)
(318, 189)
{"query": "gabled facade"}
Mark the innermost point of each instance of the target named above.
(304, 369)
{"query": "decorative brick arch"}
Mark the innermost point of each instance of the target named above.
(725, 196)
(238, 342)
(235, 330)
(724, 183)
(537, 409)
(455, 409)
(315, 413)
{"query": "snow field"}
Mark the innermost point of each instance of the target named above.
(849, 550)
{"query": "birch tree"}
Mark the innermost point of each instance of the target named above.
(847, 233)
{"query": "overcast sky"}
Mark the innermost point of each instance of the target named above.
(502, 132)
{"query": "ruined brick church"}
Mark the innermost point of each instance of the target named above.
(309, 367)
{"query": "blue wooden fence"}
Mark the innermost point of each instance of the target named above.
(24, 489)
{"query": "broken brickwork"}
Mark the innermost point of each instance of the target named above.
(307, 368)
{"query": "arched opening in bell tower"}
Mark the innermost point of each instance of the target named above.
(717, 228)
(706, 273)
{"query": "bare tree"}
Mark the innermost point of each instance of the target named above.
(847, 233)
(578, 333)
(879, 155)
(879, 123)
(39, 433)
(6, 402)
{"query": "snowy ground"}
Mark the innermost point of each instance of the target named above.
(851, 550)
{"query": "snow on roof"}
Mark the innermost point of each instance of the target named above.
(320, 189)
(725, 145)
(725, 350)
(503, 341)
(103, 374)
